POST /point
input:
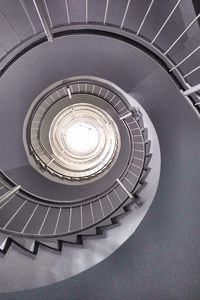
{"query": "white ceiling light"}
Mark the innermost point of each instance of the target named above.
(82, 137)
(84, 140)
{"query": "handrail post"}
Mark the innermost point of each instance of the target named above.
(192, 90)
(43, 19)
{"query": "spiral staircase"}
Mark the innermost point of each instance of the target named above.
(56, 54)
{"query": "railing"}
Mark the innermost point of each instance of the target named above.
(123, 183)
(49, 99)
(92, 210)
(179, 62)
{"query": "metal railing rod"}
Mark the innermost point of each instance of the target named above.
(125, 178)
(182, 61)
(58, 94)
(10, 193)
(29, 219)
(92, 212)
(48, 13)
(113, 97)
(166, 21)
(69, 93)
(67, 10)
(146, 15)
(100, 91)
(117, 196)
(13, 216)
(125, 13)
(81, 211)
(106, 11)
(43, 20)
(50, 162)
(180, 36)
(27, 15)
(126, 116)
(10, 27)
(57, 221)
(64, 91)
(101, 207)
(42, 225)
(70, 219)
(121, 109)
(86, 11)
(3, 244)
(110, 201)
(132, 172)
(124, 188)
(7, 201)
(106, 94)
(192, 90)
(191, 72)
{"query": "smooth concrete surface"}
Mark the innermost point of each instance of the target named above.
(49, 267)
(161, 260)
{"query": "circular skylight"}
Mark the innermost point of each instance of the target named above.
(84, 140)
(82, 137)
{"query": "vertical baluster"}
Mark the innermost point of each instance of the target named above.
(191, 72)
(43, 20)
(86, 11)
(13, 216)
(67, 10)
(46, 215)
(106, 12)
(183, 60)
(146, 15)
(57, 221)
(125, 14)
(31, 216)
(124, 188)
(180, 36)
(192, 90)
(166, 21)
(28, 15)
(48, 13)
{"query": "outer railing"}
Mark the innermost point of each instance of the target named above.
(189, 90)
(50, 31)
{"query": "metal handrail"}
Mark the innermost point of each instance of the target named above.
(44, 15)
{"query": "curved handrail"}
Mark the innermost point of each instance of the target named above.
(52, 31)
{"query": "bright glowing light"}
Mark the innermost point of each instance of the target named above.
(81, 137)
(84, 140)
